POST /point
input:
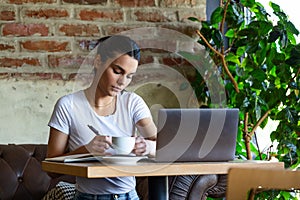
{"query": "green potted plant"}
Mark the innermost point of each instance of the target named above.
(259, 61)
(260, 65)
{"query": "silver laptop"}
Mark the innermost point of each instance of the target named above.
(196, 134)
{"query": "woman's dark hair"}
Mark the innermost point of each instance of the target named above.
(110, 46)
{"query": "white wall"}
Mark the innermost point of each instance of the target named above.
(26, 107)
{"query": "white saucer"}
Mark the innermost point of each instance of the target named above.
(122, 159)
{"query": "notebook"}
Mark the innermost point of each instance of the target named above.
(196, 134)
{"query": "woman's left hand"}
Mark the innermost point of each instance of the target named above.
(140, 146)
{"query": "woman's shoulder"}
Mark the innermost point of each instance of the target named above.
(69, 98)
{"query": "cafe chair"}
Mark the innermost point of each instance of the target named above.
(243, 182)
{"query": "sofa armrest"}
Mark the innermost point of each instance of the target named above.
(190, 187)
(219, 190)
(21, 173)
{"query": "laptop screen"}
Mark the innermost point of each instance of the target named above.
(196, 134)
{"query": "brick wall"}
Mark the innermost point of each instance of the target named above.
(44, 42)
(45, 39)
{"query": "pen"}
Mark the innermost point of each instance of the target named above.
(97, 133)
(93, 129)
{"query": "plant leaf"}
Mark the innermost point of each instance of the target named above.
(233, 58)
(273, 71)
(275, 7)
(217, 15)
(230, 33)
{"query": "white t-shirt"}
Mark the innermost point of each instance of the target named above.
(72, 114)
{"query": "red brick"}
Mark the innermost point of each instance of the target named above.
(175, 61)
(111, 30)
(83, 78)
(154, 16)
(48, 46)
(7, 15)
(79, 30)
(36, 76)
(146, 59)
(42, 76)
(91, 15)
(135, 3)
(18, 62)
(73, 76)
(47, 13)
(67, 61)
(31, 1)
(4, 75)
(57, 76)
(6, 47)
(25, 29)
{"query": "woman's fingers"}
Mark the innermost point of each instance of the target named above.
(140, 146)
(99, 144)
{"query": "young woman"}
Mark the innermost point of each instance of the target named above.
(109, 109)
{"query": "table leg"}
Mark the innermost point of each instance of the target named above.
(158, 188)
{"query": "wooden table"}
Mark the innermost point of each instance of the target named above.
(157, 172)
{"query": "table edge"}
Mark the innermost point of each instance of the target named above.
(91, 170)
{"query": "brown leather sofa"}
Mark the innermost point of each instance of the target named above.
(22, 178)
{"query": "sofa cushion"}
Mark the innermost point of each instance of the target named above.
(21, 175)
(190, 187)
(62, 191)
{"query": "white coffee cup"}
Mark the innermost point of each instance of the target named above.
(123, 145)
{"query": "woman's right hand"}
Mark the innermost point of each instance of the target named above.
(99, 145)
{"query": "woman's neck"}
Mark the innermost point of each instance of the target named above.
(102, 105)
(98, 100)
